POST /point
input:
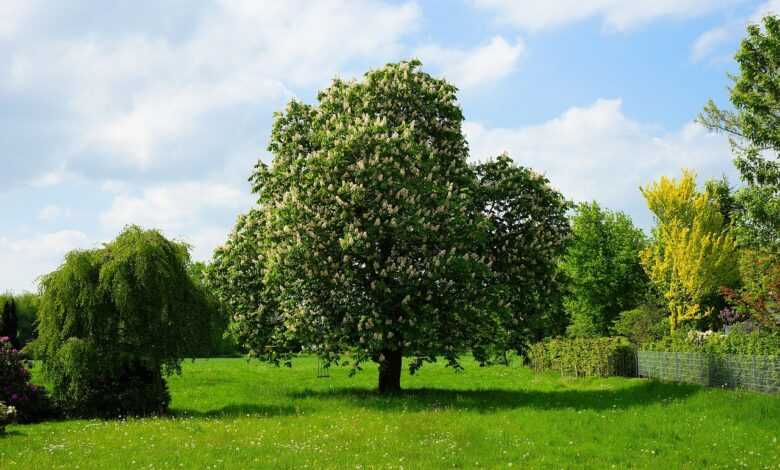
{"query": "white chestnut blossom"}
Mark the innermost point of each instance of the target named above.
(372, 238)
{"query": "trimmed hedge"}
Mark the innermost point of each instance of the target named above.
(755, 343)
(584, 357)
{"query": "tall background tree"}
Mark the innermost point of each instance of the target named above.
(526, 238)
(9, 322)
(26, 305)
(753, 127)
(221, 344)
(604, 270)
(113, 321)
(692, 255)
(371, 240)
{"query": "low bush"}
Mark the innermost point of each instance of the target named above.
(584, 356)
(757, 342)
(88, 389)
(31, 402)
(642, 325)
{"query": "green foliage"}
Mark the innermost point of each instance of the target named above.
(603, 267)
(9, 322)
(221, 343)
(761, 343)
(642, 325)
(753, 127)
(584, 357)
(582, 325)
(373, 239)
(692, 255)
(526, 238)
(114, 320)
(759, 296)
(26, 314)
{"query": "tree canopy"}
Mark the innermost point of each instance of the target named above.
(753, 126)
(692, 255)
(373, 239)
(604, 271)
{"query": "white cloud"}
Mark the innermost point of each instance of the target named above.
(176, 208)
(53, 212)
(25, 259)
(617, 15)
(599, 153)
(53, 178)
(13, 15)
(708, 41)
(205, 240)
(113, 186)
(131, 94)
(712, 40)
(198, 213)
(477, 66)
(766, 8)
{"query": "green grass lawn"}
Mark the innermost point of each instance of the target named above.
(228, 413)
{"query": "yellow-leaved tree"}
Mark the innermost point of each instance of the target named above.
(692, 255)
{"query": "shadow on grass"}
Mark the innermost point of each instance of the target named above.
(491, 400)
(235, 411)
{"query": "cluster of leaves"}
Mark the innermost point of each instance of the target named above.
(759, 342)
(526, 236)
(692, 255)
(753, 127)
(602, 264)
(729, 316)
(584, 357)
(221, 343)
(374, 239)
(642, 325)
(114, 320)
(30, 401)
(759, 297)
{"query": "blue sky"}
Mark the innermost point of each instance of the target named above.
(154, 112)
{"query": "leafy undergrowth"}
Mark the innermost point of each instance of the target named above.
(228, 413)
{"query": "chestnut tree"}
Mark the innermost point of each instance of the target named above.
(371, 240)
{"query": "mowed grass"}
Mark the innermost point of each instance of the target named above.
(230, 413)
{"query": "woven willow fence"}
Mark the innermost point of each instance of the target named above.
(760, 373)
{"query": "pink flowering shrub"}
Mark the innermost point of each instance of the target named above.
(30, 401)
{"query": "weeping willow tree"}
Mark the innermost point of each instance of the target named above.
(114, 321)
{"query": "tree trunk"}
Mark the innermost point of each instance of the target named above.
(390, 372)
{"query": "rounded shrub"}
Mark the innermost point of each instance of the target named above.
(114, 321)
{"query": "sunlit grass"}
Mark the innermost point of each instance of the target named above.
(228, 413)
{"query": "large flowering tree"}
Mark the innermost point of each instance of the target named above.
(366, 245)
